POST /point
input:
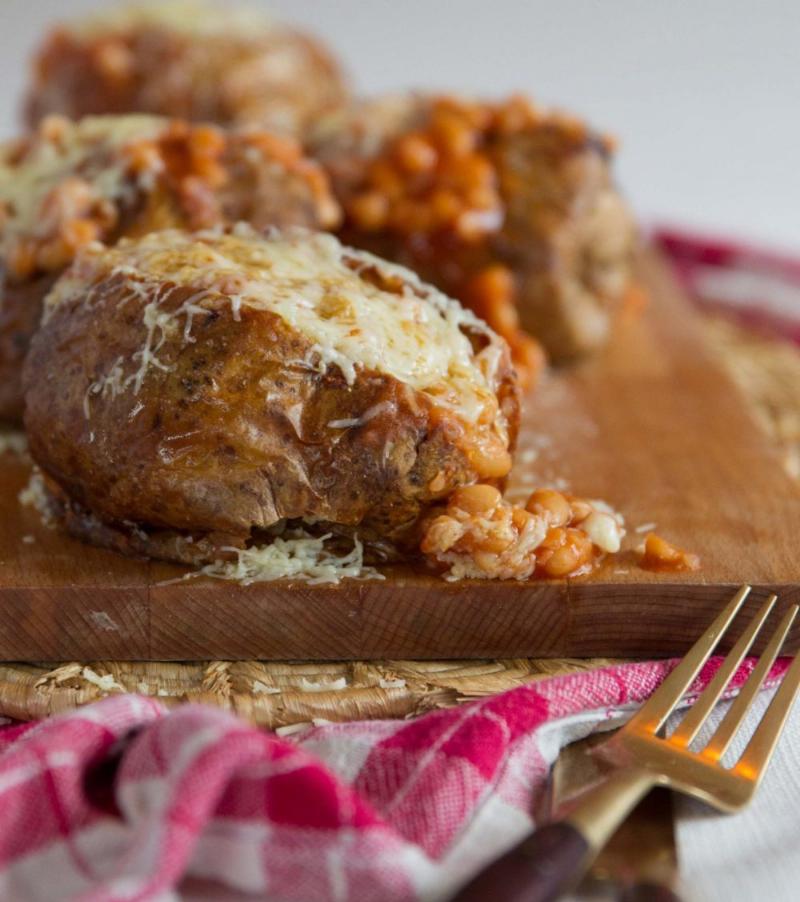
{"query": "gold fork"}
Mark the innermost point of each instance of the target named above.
(545, 865)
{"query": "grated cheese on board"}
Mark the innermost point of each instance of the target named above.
(300, 556)
(34, 496)
(13, 441)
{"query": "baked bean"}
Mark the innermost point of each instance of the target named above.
(415, 153)
(580, 511)
(484, 535)
(659, 554)
(550, 504)
(492, 462)
(115, 60)
(370, 210)
(440, 535)
(476, 499)
(520, 518)
(572, 555)
(486, 560)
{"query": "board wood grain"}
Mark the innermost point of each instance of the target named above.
(653, 426)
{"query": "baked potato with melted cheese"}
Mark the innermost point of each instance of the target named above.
(108, 176)
(192, 59)
(186, 392)
(510, 209)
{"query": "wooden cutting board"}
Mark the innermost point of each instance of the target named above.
(653, 426)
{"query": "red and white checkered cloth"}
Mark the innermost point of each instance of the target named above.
(759, 287)
(122, 800)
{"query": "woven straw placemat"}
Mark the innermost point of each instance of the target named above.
(287, 696)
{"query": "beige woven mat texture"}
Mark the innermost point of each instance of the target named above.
(289, 696)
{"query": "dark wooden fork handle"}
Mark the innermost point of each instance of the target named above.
(540, 869)
(649, 892)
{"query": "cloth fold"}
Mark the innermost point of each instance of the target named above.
(125, 800)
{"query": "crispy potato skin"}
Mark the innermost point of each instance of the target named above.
(20, 311)
(233, 437)
(566, 236)
(569, 238)
(262, 192)
(279, 79)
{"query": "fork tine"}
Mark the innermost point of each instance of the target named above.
(652, 715)
(759, 750)
(725, 732)
(691, 724)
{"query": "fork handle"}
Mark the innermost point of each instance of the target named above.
(539, 869)
(546, 864)
(649, 892)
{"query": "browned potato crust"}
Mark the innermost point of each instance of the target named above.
(511, 210)
(20, 311)
(108, 177)
(192, 60)
(234, 424)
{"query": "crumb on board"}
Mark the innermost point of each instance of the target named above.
(261, 688)
(34, 496)
(13, 441)
(292, 728)
(103, 621)
(105, 683)
(333, 686)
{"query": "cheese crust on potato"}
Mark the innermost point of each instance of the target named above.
(69, 184)
(186, 392)
(191, 59)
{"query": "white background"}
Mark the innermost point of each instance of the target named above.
(705, 95)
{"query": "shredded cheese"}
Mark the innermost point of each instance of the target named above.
(13, 441)
(260, 688)
(604, 531)
(105, 683)
(90, 148)
(34, 495)
(334, 686)
(112, 384)
(190, 17)
(292, 728)
(353, 422)
(297, 556)
(357, 311)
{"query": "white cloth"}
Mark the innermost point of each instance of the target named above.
(752, 856)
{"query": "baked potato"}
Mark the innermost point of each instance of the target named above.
(104, 177)
(507, 208)
(188, 392)
(190, 59)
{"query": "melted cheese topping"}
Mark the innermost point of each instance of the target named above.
(326, 292)
(89, 149)
(190, 17)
